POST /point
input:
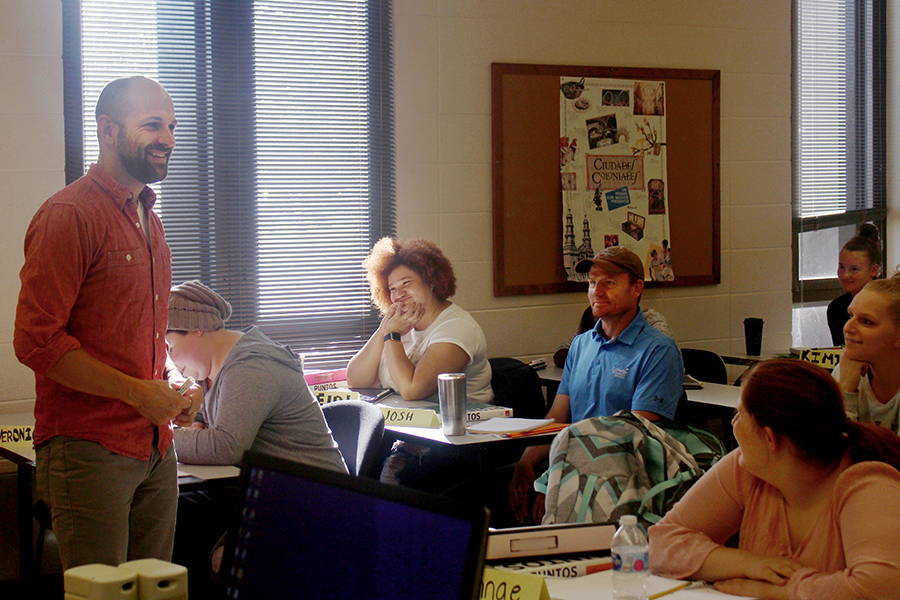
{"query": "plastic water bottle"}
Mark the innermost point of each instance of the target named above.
(630, 559)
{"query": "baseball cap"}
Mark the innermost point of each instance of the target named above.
(615, 259)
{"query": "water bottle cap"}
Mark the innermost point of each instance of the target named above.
(628, 520)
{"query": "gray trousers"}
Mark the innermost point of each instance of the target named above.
(107, 508)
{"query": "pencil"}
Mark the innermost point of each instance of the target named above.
(382, 394)
(680, 586)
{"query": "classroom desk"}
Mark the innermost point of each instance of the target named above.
(599, 587)
(712, 393)
(481, 444)
(716, 394)
(550, 377)
(749, 360)
(190, 478)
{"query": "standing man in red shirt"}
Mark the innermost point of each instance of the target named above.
(91, 323)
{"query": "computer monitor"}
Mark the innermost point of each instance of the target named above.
(304, 532)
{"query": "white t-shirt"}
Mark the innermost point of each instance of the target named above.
(862, 405)
(454, 326)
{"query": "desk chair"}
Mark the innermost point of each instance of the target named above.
(704, 365)
(518, 386)
(357, 427)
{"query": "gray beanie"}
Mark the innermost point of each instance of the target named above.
(195, 307)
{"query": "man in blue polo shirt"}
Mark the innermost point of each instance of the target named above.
(621, 364)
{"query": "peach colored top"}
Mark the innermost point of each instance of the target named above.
(852, 552)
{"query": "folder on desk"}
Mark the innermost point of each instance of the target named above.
(546, 540)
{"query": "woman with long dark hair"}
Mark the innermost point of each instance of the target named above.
(814, 496)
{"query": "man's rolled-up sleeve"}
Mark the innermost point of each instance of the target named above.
(56, 258)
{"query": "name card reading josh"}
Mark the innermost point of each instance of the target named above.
(410, 417)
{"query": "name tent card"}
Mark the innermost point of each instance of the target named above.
(328, 396)
(410, 417)
(824, 357)
(17, 435)
(509, 585)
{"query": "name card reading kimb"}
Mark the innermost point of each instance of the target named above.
(509, 585)
(410, 417)
(17, 435)
(824, 357)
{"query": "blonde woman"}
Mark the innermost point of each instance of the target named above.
(869, 371)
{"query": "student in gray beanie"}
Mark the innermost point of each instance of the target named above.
(256, 397)
(195, 307)
(255, 393)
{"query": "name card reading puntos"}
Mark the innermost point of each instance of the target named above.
(509, 585)
(410, 417)
(16, 435)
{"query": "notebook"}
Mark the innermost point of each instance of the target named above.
(303, 532)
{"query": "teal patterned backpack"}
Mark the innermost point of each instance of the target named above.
(606, 467)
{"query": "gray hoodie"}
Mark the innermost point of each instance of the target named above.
(259, 400)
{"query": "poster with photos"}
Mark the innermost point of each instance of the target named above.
(612, 164)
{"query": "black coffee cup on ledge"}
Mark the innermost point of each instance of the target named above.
(753, 327)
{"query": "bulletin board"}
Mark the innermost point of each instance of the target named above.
(527, 207)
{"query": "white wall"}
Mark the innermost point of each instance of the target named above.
(31, 155)
(443, 51)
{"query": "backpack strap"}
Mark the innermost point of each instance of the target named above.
(660, 488)
(584, 501)
(673, 446)
(540, 484)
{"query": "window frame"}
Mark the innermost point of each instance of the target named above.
(862, 143)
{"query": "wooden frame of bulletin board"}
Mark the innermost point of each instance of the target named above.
(528, 222)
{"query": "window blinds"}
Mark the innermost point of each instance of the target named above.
(282, 176)
(839, 106)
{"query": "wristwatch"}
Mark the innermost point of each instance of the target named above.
(392, 336)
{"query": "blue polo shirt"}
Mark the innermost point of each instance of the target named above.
(639, 370)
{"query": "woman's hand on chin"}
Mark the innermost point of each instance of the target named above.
(403, 316)
(851, 372)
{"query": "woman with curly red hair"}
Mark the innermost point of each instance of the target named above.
(422, 333)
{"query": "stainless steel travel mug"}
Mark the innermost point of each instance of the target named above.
(452, 399)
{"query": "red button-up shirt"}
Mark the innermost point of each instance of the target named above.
(92, 281)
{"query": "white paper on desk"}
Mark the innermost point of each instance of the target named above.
(208, 471)
(507, 425)
(598, 586)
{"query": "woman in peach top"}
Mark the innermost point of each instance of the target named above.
(814, 496)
